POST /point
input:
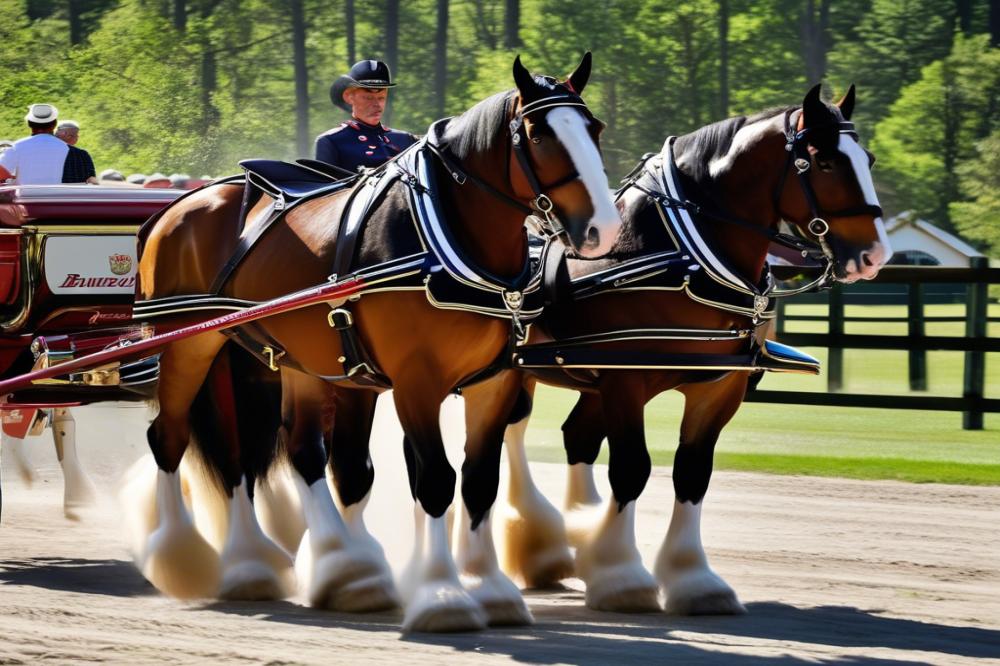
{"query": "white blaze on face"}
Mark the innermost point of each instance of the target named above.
(571, 130)
(880, 251)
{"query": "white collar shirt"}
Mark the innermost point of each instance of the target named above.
(36, 160)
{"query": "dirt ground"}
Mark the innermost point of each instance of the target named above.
(831, 571)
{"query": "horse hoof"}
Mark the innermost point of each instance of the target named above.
(180, 563)
(252, 581)
(367, 595)
(501, 600)
(536, 556)
(348, 578)
(442, 606)
(702, 592)
(623, 588)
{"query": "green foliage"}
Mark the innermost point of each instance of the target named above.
(152, 97)
(934, 125)
(978, 216)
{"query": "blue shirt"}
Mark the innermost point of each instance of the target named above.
(355, 144)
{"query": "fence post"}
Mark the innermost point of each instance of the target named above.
(918, 357)
(975, 361)
(835, 352)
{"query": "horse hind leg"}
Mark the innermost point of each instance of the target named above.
(533, 545)
(235, 422)
(690, 584)
(78, 489)
(335, 571)
(175, 557)
(608, 561)
(583, 432)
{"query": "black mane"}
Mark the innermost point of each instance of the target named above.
(710, 142)
(477, 129)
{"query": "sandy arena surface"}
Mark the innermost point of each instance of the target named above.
(831, 571)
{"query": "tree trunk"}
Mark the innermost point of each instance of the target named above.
(964, 10)
(723, 58)
(180, 15)
(994, 23)
(302, 139)
(75, 21)
(814, 33)
(441, 57)
(512, 24)
(949, 146)
(349, 20)
(391, 46)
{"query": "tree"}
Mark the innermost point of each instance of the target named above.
(349, 31)
(935, 125)
(391, 44)
(441, 57)
(512, 24)
(302, 136)
(814, 30)
(977, 216)
(723, 58)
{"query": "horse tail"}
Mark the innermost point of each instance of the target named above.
(240, 398)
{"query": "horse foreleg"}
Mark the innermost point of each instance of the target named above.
(176, 558)
(533, 544)
(15, 447)
(691, 587)
(334, 569)
(78, 489)
(436, 600)
(583, 432)
(487, 406)
(609, 561)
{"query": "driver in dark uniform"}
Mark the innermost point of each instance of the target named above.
(362, 141)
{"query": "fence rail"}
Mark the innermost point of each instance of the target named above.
(975, 343)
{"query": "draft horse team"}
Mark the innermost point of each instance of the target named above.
(619, 296)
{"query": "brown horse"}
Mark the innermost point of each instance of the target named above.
(706, 206)
(453, 204)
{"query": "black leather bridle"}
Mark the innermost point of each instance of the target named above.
(541, 207)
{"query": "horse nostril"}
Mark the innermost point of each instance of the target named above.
(866, 259)
(592, 236)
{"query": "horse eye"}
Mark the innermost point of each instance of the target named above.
(536, 139)
(824, 165)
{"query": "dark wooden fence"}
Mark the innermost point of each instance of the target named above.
(975, 344)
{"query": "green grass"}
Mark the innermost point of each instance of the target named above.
(908, 445)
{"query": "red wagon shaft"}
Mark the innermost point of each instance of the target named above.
(312, 296)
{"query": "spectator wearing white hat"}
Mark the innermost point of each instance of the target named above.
(42, 159)
(111, 176)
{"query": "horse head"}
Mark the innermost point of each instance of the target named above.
(558, 164)
(836, 203)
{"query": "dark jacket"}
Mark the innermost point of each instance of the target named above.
(354, 144)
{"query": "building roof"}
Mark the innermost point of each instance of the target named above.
(937, 233)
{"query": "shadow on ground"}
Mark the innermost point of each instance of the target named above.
(116, 578)
(567, 632)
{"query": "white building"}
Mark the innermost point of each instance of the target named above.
(917, 242)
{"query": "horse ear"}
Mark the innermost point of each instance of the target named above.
(813, 109)
(522, 77)
(578, 79)
(846, 105)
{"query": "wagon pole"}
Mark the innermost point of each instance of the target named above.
(312, 296)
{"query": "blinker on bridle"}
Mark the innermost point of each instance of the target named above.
(542, 205)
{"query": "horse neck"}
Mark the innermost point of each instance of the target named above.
(744, 191)
(491, 232)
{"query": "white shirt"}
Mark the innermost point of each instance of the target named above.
(36, 160)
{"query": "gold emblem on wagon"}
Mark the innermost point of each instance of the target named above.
(121, 264)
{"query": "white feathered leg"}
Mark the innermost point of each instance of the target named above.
(253, 566)
(610, 565)
(481, 575)
(436, 600)
(691, 587)
(78, 489)
(278, 508)
(335, 571)
(533, 544)
(584, 508)
(176, 558)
